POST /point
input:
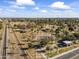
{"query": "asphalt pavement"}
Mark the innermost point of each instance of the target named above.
(70, 55)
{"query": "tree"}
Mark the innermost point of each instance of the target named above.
(0, 25)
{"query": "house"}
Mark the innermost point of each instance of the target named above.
(42, 35)
(20, 30)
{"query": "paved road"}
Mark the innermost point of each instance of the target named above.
(4, 42)
(75, 57)
(1, 42)
(70, 55)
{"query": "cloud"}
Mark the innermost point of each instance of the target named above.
(36, 8)
(13, 5)
(17, 7)
(11, 10)
(25, 2)
(65, 13)
(0, 9)
(60, 5)
(44, 11)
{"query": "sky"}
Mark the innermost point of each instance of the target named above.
(39, 8)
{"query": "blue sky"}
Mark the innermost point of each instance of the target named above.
(39, 8)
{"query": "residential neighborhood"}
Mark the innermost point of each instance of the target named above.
(39, 39)
(39, 29)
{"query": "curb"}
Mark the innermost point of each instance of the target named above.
(63, 53)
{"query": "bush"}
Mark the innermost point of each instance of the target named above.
(51, 54)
